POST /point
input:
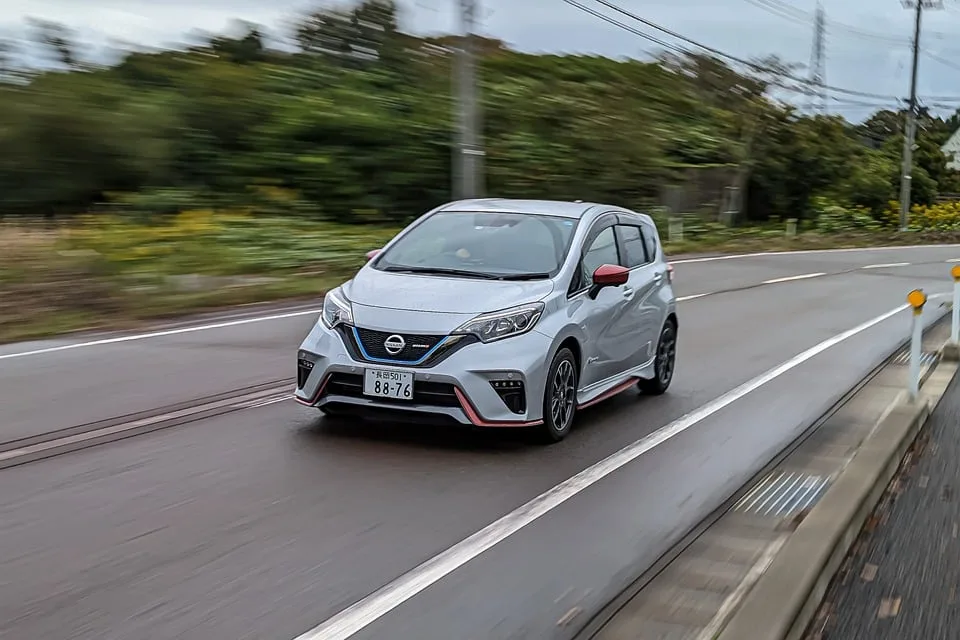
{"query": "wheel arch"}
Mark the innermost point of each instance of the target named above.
(571, 342)
(672, 317)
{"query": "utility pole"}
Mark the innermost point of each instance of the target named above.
(468, 152)
(818, 95)
(911, 129)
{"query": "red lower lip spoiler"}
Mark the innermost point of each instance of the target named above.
(477, 421)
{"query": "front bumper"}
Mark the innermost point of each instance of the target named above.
(499, 384)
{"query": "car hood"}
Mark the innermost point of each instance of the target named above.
(434, 294)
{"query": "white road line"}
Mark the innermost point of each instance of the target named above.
(368, 610)
(159, 334)
(954, 260)
(888, 264)
(810, 251)
(803, 276)
(693, 297)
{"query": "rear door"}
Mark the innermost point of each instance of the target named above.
(638, 250)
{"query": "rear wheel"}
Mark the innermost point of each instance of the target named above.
(559, 397)
(665, 362)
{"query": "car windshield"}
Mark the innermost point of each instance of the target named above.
(513, 246)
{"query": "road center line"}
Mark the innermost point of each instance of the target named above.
(889, 264)
(790, 278)
(159, 334)
(370, 609)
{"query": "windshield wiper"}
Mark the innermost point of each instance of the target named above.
(525, 276)
(463, 273)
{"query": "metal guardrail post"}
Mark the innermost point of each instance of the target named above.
(917, 298)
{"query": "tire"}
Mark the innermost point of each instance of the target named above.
(559, 397)
(664, 363)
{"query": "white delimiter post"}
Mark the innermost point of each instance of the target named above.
(917, 298)
(951, 350)
(955, 324)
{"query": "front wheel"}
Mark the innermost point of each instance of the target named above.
(559, 397)
(665, 362)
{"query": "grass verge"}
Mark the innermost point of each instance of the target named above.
(108, 273)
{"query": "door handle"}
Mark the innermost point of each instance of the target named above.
(658, 277)
(627, 292)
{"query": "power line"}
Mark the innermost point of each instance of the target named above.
(722, 54)
(626, 27)
(943, 61)
(795, 14)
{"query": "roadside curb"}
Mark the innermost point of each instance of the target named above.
(785, 599)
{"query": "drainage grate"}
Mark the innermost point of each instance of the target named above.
(927, 359)
(783, 494)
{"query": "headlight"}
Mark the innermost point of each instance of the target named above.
(504, 324)
(336, 310)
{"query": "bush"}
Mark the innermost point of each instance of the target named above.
(833, 217)
(944, 216)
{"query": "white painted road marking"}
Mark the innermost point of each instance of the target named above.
(803, 276)
(693, 297)
(801, 252)
(160, 334)
(888, 264)
(370, 609)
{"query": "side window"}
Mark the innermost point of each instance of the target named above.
(635, 250)
(603, 250)
(650, 240)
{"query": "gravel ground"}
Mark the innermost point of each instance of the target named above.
(901, 579)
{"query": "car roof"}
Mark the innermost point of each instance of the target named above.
(561, 208)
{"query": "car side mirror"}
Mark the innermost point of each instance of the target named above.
(608, 275)
(372, 254)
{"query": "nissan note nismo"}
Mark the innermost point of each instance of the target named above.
(497, 313)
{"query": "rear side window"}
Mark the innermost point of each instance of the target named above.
(634, 246)
(650, 240)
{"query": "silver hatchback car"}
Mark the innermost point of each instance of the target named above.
(497, 313)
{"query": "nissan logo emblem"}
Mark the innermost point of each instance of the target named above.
(394, 344)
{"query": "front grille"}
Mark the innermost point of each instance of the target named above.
(435, 394)
(415, 346)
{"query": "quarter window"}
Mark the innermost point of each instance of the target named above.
(634, 248)
(650, 239)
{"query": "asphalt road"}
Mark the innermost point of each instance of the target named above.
(266, 522)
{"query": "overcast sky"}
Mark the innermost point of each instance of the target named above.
(867, 44)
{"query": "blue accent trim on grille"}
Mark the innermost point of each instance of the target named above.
(410, 363)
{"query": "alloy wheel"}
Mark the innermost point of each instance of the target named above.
(563, 395)
(666, 356)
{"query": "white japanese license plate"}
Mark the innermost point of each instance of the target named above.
(381, 383)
